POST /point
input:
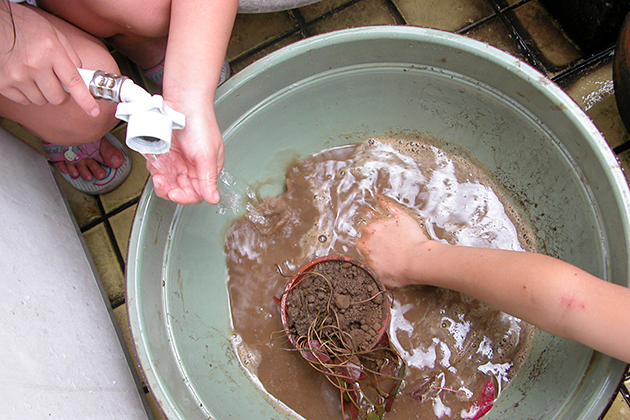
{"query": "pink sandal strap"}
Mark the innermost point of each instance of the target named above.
(73, 154)
(155, 73)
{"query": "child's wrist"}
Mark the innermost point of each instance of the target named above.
(429, 260)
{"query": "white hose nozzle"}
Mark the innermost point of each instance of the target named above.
(150, 121)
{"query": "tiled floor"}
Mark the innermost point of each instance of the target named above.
(522, 28)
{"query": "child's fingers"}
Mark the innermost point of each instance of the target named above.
(390, 206)
(371, 214)
(74, 84)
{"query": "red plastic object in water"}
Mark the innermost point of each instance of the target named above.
(486, 399)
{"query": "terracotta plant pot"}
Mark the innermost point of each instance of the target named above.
(335, 311)
(310, 267)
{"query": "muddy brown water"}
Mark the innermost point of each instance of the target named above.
(452, 344)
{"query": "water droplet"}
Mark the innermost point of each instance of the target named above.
(322, 238)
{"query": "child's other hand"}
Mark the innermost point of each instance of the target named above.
(390, 245)
(37, 61)
(188, 174)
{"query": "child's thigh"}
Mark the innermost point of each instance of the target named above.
(107, 18)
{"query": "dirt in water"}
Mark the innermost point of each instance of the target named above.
(459, 352)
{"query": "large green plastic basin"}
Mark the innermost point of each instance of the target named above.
(340, 88)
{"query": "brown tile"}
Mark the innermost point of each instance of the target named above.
(121, 225)
(507, 3)
(107, 265)
(241, 64)
(594, 92)
(543, 34)
(496, 33)
(133, 185)
(363, 13)
(253, 30)
(619, 410)
(448, 15)
(316, 10)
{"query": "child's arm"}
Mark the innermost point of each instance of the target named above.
(550, 294)
(198, 37)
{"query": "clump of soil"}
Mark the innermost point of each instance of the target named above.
(343, 298)
(335, 313)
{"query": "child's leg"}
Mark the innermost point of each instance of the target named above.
(136, 28)
(67, 124)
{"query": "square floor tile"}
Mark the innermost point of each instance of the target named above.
(363, 13)
(121, 225)
(543, 35)
(594, 92)
(619, 410)
(496, 33)
(252, 31)
(448, 15)
(106, 262)
(316, 10)
(503, 4)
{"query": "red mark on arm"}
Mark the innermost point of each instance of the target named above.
(572, 303)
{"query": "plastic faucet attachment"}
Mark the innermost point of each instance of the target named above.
(150, 121)
(150, 124)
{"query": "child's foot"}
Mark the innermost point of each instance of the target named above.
(93, 168)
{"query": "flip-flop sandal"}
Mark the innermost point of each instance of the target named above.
(73, 154)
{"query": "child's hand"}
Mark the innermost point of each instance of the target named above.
(391, 245)
(188, 174)
(37, 62)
